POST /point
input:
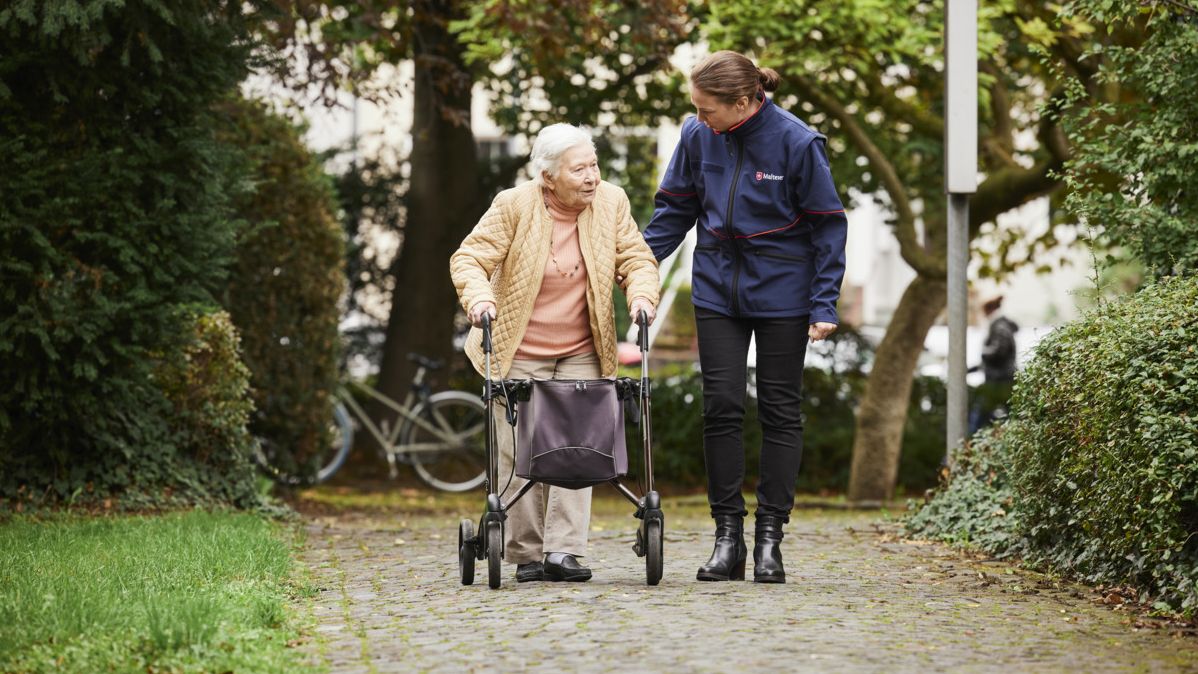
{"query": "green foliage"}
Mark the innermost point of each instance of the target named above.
(977, 506)
(208, 388)
(115, 217)
(1136, 157)
(286, 281)
(1101, 450)
(1105, 435)
(193, 591)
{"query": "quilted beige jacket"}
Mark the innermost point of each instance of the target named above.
(503, 261)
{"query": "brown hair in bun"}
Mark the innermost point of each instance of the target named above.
(769, 78)
(729, 76)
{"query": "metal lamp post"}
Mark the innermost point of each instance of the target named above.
(961, 180)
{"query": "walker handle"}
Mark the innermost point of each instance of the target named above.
(486, 332)
(642, 323)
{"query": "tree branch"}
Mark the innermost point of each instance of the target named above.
(1014, 186)
(924, 263)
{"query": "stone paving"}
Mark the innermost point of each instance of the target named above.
(858, 598)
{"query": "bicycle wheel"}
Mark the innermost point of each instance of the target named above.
(282, 467)
(454, 458)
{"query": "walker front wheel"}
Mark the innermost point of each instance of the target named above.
(494, 553)
(653, 551)
(466, 544)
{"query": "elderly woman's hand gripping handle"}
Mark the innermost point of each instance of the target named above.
(641, 304)
(477, 312)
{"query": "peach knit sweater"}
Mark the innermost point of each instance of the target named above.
(560, 323)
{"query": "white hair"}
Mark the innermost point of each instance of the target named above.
(551, 143)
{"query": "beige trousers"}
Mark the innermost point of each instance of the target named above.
(546, 519)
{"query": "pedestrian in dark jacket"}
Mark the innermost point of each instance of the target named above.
(998, 364)
(998, 351)
(769, 262)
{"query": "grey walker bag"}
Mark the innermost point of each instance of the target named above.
(570, 433)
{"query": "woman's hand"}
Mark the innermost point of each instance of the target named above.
(476, 313)
(641, 304)
(820, 331)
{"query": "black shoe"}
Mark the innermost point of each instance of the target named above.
(530, 571)
(767, 551)
(564, 566)
(728, 558)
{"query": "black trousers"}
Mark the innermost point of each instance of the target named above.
(723, 354)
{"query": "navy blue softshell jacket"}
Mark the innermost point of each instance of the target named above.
(771, 226)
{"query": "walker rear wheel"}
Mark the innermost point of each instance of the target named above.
(466, 551)
(653, 551)
(494, 553)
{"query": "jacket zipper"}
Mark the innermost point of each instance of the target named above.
(740, 157)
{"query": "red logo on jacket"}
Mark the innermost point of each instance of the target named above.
(759, 176)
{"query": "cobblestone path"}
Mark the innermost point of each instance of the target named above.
(857, 599)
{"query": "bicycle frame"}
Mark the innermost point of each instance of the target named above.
(388, 437)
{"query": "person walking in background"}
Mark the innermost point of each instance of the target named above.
(541, 263)
(769, 262)
(998, 365)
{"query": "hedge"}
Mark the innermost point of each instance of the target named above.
(116, 222)
(1099, 459)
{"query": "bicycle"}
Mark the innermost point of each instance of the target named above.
(441, 435)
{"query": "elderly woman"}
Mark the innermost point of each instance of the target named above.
(541, 263)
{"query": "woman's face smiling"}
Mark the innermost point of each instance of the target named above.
(577, 177)
(716, 114)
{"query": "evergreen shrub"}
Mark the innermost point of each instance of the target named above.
(286, 281)
(115, 221)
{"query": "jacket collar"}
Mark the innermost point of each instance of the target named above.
(753, 122)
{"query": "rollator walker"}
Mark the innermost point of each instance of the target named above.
(571, 435)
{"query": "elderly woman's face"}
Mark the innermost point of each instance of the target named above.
(577, 177)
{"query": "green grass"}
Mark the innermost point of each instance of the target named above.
(185, 592)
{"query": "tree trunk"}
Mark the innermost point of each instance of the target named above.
(878, 439)
(442, 200)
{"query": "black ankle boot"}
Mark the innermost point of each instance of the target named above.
(728, 558)
(767, 551)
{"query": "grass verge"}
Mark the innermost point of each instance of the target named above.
(184, 592)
